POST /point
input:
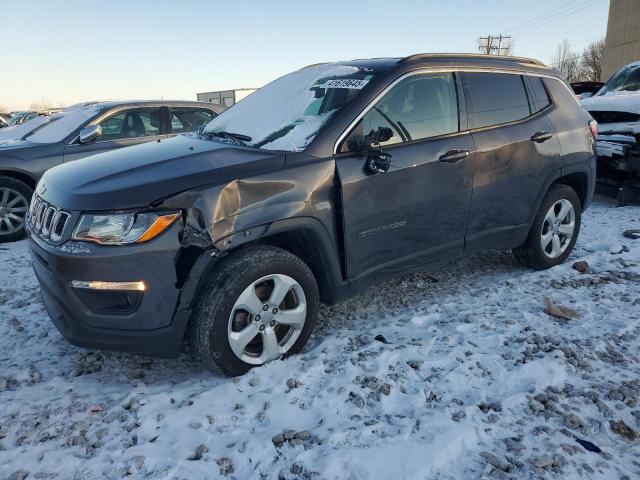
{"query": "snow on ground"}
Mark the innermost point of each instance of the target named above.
(454, 373)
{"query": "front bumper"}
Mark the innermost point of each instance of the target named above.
(151, 327)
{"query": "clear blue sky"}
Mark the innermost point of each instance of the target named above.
(70, 51)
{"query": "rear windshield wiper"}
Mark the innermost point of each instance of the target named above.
(228, 135)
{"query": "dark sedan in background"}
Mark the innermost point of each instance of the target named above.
(4, 120)
(80, 132)
(18, 118)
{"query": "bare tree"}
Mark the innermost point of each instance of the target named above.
(43, 104)
(566, 61)
(591, 61)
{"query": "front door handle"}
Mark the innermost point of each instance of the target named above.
(454, 156)
(540, 137)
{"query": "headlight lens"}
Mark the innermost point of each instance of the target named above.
(122, 228)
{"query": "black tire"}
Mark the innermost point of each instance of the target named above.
(208, 326)
(13, 185)
(531, 254)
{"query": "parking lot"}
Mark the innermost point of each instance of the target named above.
(396, 382)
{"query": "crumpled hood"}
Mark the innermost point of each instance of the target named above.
(614, 102)
(140, 175)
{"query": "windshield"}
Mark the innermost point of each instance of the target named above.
(18, 131)
(288, 113)
(69, 122)
(16, 118)
(626, 80)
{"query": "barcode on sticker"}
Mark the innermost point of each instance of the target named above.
(345, 83)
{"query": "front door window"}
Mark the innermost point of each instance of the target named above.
(418, 107)
(132, 123)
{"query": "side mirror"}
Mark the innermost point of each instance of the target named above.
(584, 95)
(378, 162)
(90, 133)
(372, 139)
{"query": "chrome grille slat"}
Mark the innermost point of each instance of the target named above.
(42, 207)
(59, 222)
(46, 220)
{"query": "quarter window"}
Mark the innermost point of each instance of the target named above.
(495, 98)
(189, 119)
(139, 122)
(540, 98)
(418, 107)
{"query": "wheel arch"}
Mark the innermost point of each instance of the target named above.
(578, 181)
(25, 178)
(304, 237)
(579, 177)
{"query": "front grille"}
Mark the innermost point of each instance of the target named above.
(46, 220)
(614, 117)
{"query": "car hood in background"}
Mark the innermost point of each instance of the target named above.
(7, 144)
(613, 102)
(143, 174)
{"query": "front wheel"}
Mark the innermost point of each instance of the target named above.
(14, 203)
(258, 305)
(554, 230)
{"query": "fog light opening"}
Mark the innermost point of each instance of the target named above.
(99, 285)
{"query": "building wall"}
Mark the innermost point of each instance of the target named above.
(622, 44)
(245, 92)
(225, 97)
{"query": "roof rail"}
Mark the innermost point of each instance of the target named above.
(314, 65)
(419, 56)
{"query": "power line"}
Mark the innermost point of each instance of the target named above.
(554, 14)
(527, 22)
(557, 15)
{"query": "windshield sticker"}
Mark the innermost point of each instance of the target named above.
(353, 83)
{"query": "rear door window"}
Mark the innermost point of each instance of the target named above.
(189, 119)
(131, 123)
(540, 99)
(494, 98)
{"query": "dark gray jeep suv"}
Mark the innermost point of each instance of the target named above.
(318, 184)
(78, 132)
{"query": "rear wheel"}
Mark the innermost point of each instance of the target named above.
(14, 204)
(554, 230)
(258, 305)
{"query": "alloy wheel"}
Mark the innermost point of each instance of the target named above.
(13, 209)
(558, 228)
(267, 319)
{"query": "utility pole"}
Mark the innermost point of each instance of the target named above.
(495, 44)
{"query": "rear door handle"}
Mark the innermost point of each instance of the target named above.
(540, 137)
(454, 156)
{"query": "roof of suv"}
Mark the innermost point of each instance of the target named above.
(449, 59)
(475, 57)
(118, 103)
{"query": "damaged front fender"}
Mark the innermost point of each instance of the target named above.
(219, 218)
(215, 216)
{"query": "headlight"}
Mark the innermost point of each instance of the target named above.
(121, 228)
